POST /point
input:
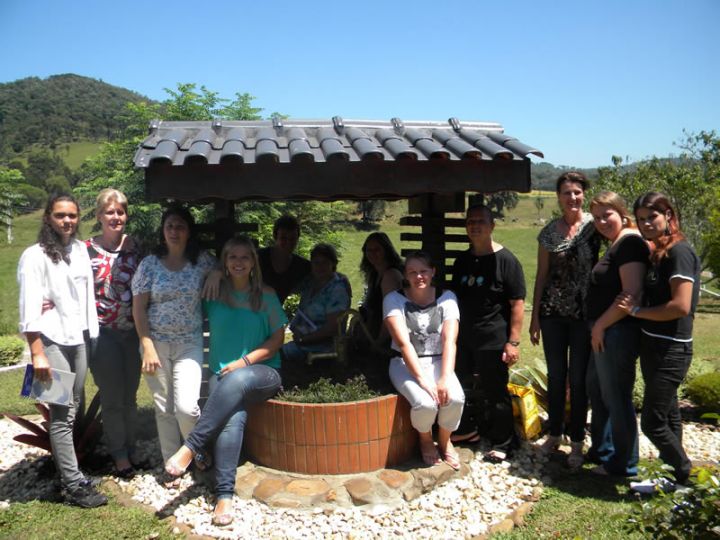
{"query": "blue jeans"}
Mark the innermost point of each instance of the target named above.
(664, 365)
(566, 343)
(224, 417)
(610, 381)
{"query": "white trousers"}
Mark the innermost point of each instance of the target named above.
(176, 389)
(423, 409)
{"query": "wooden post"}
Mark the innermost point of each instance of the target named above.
(433, 237)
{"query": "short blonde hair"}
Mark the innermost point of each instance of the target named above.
(617, 203)
(108, 195)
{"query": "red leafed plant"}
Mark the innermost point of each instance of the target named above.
(86, 430)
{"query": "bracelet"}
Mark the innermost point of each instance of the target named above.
(634, 311)
(246, 360)
(514, 343)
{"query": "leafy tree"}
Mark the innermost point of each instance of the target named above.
(10, 198)
(42, 165)
(691, 180)
(113, 167)
(496, 202)
(539, 204)
(372, 211)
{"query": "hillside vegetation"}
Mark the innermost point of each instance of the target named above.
(61, 108)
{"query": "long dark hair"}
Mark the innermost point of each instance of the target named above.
(49, 240)
(660, 202)
(192, 249)
(392, 258)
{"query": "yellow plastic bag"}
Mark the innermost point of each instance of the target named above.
(525, 411)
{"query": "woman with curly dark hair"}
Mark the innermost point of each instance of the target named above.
(672, 288)
(57, 316)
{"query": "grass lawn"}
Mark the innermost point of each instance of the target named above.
(75, 153)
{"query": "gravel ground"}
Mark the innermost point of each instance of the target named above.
(462, 507)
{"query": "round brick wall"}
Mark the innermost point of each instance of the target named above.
(331, 438)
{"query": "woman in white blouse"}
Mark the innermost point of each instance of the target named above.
(56, 273)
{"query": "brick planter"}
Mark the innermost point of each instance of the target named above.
(331, 438)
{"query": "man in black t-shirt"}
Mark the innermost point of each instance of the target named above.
(490, 286)
(282, 269)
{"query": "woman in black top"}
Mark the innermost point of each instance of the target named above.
(382, 267)
(672, 287)
(615, 337)
(567, 251)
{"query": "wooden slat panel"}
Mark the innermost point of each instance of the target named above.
(418, 237)
(447, 254)
(419, 220)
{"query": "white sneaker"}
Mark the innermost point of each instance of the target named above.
(649, 487)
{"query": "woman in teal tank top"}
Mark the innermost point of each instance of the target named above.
(247, 326)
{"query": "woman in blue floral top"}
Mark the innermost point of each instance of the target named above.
(168, 318)
(323, 297)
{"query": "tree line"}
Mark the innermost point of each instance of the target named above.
(691, 179)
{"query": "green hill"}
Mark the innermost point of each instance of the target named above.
(59, 109)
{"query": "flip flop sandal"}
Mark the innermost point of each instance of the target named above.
(430, 456)
(495, 456)
(452, 459)
(222, 520)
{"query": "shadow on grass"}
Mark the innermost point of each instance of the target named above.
(36, 477)
(582, 483)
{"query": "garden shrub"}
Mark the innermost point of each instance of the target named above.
(704, 391)
(325, 391)
(689, 513)
(11, 349)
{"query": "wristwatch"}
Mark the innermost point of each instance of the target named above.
(514, 343)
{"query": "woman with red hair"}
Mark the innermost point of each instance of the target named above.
(672, 287)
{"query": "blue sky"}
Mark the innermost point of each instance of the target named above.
(580, 80)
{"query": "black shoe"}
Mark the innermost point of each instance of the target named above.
(84, 496)
(91, 481)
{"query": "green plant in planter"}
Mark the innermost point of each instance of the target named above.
(86, 429)
(11, 349)
(704, 391)
(689, 513)
(325, 391)
(531, 374)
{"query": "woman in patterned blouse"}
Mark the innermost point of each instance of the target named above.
(115, 357)
(567, 251)
(168, 317)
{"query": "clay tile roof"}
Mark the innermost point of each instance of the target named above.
(327, 160)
